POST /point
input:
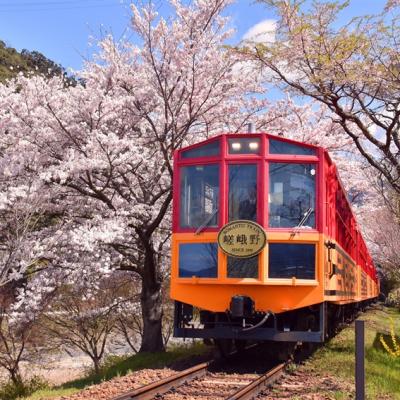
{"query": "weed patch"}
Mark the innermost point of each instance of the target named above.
(11, 391)
(382, 370)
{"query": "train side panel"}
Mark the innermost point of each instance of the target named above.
(350, 276)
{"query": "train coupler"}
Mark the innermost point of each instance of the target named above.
(241, 307)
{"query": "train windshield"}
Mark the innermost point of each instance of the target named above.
(243, 192)
(199, 196)
(281, 147)
(291, 195)
(211, 149)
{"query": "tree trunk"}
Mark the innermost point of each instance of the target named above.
(15, 376)
(96, 364)
(151, 302)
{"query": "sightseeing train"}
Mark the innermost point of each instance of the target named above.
(265, 245)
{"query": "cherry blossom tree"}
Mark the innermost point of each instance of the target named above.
(21, 339)
(104, 150)
(83, 317)
(18, 221)
(353, 69)
(309, 123)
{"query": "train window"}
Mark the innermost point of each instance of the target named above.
(291, 195)
(288, 260)
(244, 146)
(243, 267)
(206, 150)
(243, 192)
(199, 196)
(281, 147)
(198, 259)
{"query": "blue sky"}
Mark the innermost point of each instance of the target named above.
(60, 29)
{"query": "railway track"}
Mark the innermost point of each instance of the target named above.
(259, 384)
(199, 382)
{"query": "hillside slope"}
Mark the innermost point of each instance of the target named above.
(12, 62)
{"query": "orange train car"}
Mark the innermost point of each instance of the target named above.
(265, 244)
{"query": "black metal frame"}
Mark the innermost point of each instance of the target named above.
(183, 329)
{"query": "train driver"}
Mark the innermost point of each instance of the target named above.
(248, 205)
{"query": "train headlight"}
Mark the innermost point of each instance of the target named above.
(236, 146)
(253, 145)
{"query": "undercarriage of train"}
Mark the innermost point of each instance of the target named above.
(241, 322)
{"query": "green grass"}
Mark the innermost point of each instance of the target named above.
(119, 366)
(382, 370)
(51, 393)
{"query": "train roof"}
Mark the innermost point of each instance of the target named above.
(254, 134)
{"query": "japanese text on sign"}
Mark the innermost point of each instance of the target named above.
(242, 238)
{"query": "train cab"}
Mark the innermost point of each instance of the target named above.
(250, 227)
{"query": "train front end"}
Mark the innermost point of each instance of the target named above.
(247, 243)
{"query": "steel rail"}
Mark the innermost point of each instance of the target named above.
(164, 385)
(254, 388)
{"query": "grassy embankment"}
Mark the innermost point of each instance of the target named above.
(336, 358)
(119, 366)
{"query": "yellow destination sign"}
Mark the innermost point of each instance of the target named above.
(242, 239)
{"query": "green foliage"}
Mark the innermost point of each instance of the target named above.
(390, 280)
(291, 368)
(12, 62)
(393, 298)
(392, 346)
(11, 391)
